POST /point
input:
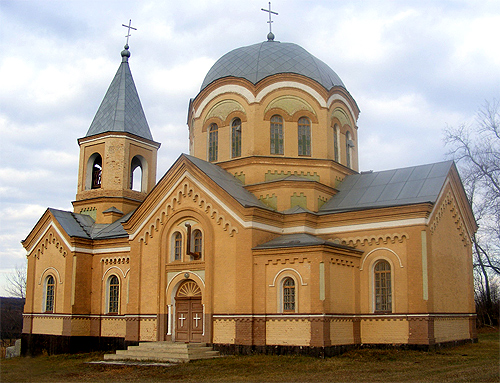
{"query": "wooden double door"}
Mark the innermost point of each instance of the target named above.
(189, 314)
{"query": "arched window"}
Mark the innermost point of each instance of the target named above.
(50, 292)
(276, 135)
(304, 136)
(349, 144)
(382, 285)
(236, 138)
(96, 172)
(177, 246)
(336, 152)
(113, 294)
(136, 174)
(213, 142)
(288, 295)
(198, 241)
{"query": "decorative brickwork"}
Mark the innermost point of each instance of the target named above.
(186, 190)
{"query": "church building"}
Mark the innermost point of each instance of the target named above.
(265, 237)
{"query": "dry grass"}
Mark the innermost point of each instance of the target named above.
(469, 363)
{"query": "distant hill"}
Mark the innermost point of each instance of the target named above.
(11, 317)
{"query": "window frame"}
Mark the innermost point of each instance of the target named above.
(304, 137)
(113, 295)
(236, 133)
(336, 147)
(382, 287)
(276, 141)
(49, 297)
(198, 242)
(177, 246)
(285, 292)
(213, 142)
(348, 149)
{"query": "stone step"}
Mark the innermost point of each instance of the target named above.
(165, 351)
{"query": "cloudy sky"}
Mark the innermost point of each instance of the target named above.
(414, 67)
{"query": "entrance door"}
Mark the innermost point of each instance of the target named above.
(189, 313)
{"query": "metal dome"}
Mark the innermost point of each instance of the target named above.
(258, 61)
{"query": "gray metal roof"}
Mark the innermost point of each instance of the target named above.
(83, 226)
(121, 109)
(406, 186)
(258, 61)
(228, 182)
(297, 240)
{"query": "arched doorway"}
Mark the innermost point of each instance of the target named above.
(188, 312)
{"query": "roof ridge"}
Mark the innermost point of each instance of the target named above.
(78, 221)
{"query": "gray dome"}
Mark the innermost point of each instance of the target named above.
(258, 61)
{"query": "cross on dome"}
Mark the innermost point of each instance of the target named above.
(130, 27)
(270, 35)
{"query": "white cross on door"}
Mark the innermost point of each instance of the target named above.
(196, 318)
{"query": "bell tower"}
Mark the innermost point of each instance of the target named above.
(117, 166)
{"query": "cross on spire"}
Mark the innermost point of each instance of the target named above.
(270, 20)
(130, 27)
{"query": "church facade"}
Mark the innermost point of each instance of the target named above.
(264, 237)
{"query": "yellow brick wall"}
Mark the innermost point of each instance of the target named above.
(448, 329)
(341, 332)
(148, 330)
(386, 331)
(50, 326)
(113, 327)
(291, 332)
(224, 331)
(80, 327)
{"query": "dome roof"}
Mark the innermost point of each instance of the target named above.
(258, 61)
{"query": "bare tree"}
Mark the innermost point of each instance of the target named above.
(476, 150)
(16, 282)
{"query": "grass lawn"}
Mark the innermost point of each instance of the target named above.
(470, 363)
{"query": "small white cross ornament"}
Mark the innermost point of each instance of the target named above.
(196, 318)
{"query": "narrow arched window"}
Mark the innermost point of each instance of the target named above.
(49, 294)
(198, 241)
(213, 143)
(288, 295)
(177, 246)
(276, 135)
(236, 138)
(113, 294)
(382, 285)
(349, 144)
(336, 152)
(97, 172)
(304, 130)
(136, 174)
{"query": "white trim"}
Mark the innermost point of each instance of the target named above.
(362, 316)
(290, 84)
(50, 268)
(380, 248)
(338, 97)
(115, 267)
(101, 251)
(120, 136)
(74, 248)
(169, 319)
(287, 269)
(183, 272)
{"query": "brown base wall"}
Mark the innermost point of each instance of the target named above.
(37, 344)
(325, 352)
